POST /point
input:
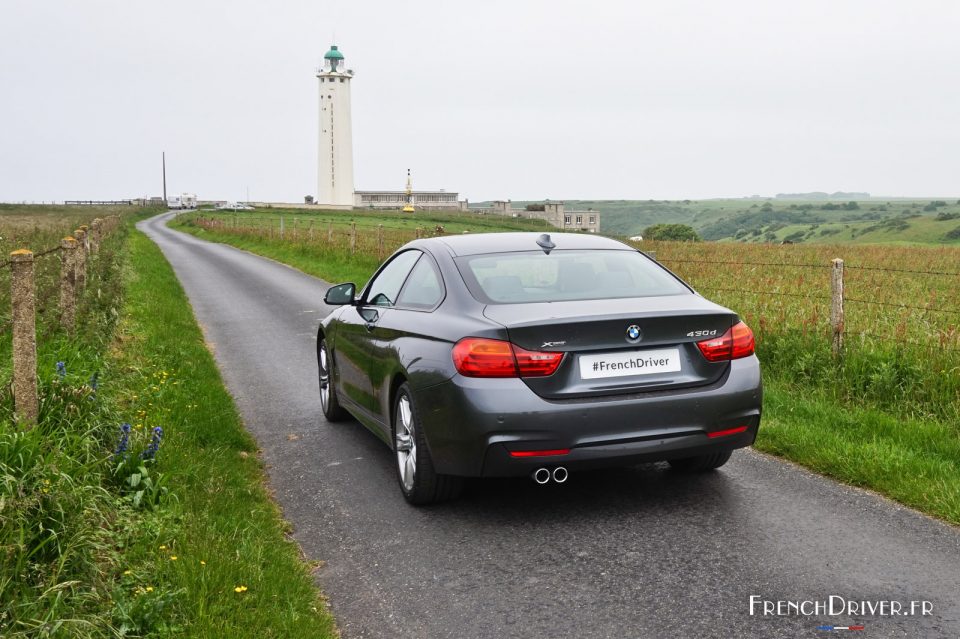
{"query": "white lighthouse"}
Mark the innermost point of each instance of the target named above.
(335, 177)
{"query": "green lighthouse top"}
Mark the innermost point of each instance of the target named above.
(333, 54)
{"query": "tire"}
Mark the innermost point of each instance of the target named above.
(701, 463)
(419, 482)
(332, 409)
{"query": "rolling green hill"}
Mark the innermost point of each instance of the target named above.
(777, 220)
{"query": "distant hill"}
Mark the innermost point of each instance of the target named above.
(811, 220)
(819, 195)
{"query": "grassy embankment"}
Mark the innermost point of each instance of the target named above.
(101, 544)
(886, 417)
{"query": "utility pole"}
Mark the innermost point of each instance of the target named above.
(164, 177)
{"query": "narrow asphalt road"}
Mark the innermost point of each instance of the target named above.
(636, 552)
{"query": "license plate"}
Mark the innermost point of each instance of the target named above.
(666, 360)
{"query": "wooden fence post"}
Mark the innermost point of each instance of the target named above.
(353, 237)
(96, 235)
(380, 242)
(330, 232)
(310, 231)
(281, 227)
(68, 283)
(836, 306)
(418, 232)
(24, 311)
(80, 263)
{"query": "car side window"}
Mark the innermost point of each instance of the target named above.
(423, 289)
(385, 287)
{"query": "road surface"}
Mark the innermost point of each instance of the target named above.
(637, 552)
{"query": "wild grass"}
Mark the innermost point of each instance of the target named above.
(108, 531)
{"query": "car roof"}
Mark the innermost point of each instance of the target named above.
(477, 243)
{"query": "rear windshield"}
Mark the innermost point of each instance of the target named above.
(533, 276)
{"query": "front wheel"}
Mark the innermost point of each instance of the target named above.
(701, 463)
(332, 409)
(419, 482)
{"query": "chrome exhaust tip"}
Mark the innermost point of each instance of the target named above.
(541, 476)
(560, 474)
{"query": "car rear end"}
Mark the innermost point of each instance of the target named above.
(607, 359)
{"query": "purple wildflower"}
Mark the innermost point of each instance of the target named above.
(151, 451)
(124, 438)
(61, 369)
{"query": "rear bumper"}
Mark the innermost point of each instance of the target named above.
(472, 425)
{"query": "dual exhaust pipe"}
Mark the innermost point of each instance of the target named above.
(544, 475)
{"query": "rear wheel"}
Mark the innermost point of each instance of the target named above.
(701, 463)
(420, 483)
(328, 393)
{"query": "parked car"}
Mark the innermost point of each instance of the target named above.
(234, 206)
(510, 354)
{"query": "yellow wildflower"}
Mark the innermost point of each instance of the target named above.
(163, 547)
(173, 557)
(203, 563)
(128, 572)
(149, 588)
(240, 589)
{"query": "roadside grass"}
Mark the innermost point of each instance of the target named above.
(888, 419)
(914, 461)
(223, 529)
(331, 264)
(101, 538)
(451, 221)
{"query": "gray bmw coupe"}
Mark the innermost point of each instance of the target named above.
(508, 354)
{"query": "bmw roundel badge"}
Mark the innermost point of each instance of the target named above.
(633, 333)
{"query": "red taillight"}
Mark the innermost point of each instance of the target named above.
(540, 453)
(734, 344)
(729, 431)
(742, 341)
(479, 357)
(536, 363)
(476, 357)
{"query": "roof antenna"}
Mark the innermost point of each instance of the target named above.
(544, 242)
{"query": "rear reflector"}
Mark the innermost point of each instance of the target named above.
(539, 453)
(479, 357)
(735, 343)
(729, 431)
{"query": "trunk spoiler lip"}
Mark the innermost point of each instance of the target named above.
(705, 307)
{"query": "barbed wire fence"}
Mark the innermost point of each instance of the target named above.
(41, 285)
(828, 291)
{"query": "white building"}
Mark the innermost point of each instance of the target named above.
(399, 199)
(335, 176)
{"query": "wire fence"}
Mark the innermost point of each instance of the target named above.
(889, 303)
(45, 288)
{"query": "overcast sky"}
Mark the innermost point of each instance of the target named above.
(495, 99)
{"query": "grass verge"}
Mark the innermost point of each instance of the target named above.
(99, 536)
(914, 461)
(226, 533)
(334, 266)
(876, 425)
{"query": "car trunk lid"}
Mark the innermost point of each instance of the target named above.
(603, 356)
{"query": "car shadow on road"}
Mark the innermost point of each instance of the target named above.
(642, 489)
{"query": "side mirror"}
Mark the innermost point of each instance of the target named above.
(340, 294)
